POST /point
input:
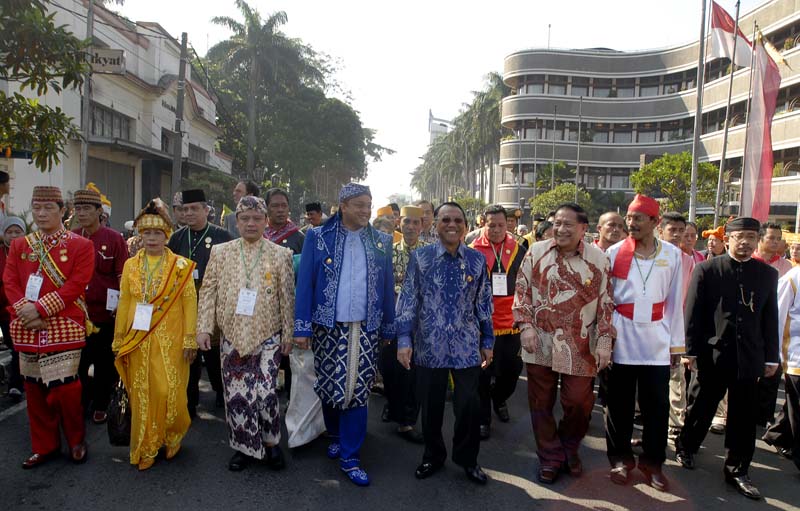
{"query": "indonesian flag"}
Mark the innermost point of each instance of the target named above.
(757, 179)
(722, 30)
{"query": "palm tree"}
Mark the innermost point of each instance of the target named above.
(267, 58)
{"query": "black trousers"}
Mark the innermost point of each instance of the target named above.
(652, 384)
(785, 432)
(705, 393)
(214, 370)
(399, 386)
(499, 380)
(431, 391)
(768, 397)
(96, 390)
(14, 378)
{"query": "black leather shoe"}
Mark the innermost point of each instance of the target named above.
(275, 459)
(685, 458)
(426, 469)
(79, 453)
(485, 431)
(655, 478)
(412, 435)
(475, 474)
(547, 475)
(385, 413)
(220, 401)
(619, 474)
(239, 461)
(717, 429)
(783, 452)
(502, 412)
(743, 485)
(34, 460)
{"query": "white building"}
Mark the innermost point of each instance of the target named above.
(132, 119)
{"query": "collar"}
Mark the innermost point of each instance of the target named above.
(52, 239)
(483, 240)
(406, 247)
(770, 261)
(441, 251)
(554, 246)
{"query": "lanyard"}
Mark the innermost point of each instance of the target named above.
(645, 279)
(498, 256)
(147, 281)
(249, 270)
(197, 243)
(41, 253)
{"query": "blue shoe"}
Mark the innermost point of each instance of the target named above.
(334, 450)
(358, 476)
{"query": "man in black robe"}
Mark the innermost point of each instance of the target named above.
(732, 333)
(194, 241)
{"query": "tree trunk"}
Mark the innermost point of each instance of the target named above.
(251, 119)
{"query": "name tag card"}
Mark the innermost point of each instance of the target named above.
(33, 287)
(247, 302)
(643, 310)
(196, 274)
(143, 317)
(499, 284)
(112, 299)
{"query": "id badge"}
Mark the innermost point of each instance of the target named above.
(500, 284)
(34, 286)
(247, 302)
(143, 317)
(196, 274)
(643, 310)
(112, 299)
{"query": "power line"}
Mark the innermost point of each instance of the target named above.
(156, 35)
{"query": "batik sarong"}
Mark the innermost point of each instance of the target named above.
(345, 361)
(251, 403)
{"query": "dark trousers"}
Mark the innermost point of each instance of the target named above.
(499, 380)
(768, 397)
(97, 389)
(399, 387)
(785, 433)
(706, 391)
(652, 385)
(14, 378)
(214, 370)
(431, 391)
(556, 443)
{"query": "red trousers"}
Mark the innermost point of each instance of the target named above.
(49, 407)
(556, 443)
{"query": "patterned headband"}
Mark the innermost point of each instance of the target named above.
(251, 202)
(151, 221)
(351, 190)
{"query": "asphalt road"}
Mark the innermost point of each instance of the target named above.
(198, 477)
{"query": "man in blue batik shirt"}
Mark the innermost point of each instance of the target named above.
(344, 304)
(445, 306)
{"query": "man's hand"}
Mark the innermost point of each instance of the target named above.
(301, 342)
(486, 357)
(603, 357)
(28, 313)
(404, 357)
(36, 324)
(286, 346)
(189, 355)
(687, 362)
(674, 361)
(529, 339)
(770, 370)
(204, 341)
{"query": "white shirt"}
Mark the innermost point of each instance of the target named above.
(650, 343)
(789, 312)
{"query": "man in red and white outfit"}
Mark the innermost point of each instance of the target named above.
(45, 277)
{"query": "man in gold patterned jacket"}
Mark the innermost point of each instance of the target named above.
(248, 292)
(45, 277)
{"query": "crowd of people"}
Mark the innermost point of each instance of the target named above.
(676, 340)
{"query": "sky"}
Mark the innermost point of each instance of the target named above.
(401, 59)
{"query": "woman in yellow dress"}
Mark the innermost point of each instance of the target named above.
(154, 339)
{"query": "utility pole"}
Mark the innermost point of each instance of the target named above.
(698, 114)
(578, 156)
(177, 150)
(86, 111)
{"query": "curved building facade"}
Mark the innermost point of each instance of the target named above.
(635, 106)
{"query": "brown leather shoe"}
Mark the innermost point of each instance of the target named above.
(655, 478)
(34, 460)
(79, 453)
(619, 474)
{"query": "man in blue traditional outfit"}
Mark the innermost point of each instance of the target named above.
(345, 305)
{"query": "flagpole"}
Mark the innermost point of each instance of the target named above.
(718, 198)
(578, 156)
(698, 114)
(535, 145)
(747, 117)
(553, 159)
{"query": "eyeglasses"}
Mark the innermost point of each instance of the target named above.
(456, 220)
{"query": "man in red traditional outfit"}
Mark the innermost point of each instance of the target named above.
(45, 278)
(102, 296)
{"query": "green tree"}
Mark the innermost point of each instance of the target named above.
(548, 201)
(668, 178)
(41, 57)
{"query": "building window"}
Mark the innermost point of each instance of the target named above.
(671, 131)
(626, 87)
(109, 124)
(198, 154)
(646, 136)
(166, 141)
(535, 84)
(623, 136)
(673, 83)
(649, 86)
(557, 85)
(580, 86)
(602, 88)
(620, 179)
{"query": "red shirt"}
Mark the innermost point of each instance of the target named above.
(110, 254)
(4, 315)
